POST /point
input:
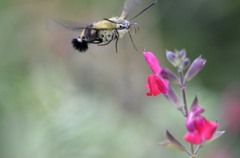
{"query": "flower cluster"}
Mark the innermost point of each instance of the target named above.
(199, 129)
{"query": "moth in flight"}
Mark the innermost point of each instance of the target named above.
(107, 30)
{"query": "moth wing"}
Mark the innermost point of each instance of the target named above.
(69, 25)
(128, 6)
(53, 24)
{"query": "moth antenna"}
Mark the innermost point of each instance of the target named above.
(149, 6)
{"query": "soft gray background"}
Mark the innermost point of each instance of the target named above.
(58, 103)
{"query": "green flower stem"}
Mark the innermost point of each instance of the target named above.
(183, 91)
(197, 149)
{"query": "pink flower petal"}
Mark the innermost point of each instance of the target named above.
(205, 127)
(195, 112)
(193, 138)
(155, 86)
(152, 62)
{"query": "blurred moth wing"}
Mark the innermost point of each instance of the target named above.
(56, 24)
(128, 6)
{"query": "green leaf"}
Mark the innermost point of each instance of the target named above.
(172, 142)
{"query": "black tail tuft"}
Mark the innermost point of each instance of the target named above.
(82, 45)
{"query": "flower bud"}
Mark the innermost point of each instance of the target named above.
(172, 58)
(182, 54)
(168, 75)
(195, 67)
(184, 64)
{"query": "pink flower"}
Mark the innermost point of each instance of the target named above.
(203, 130)
(199, 128)
(156, 84)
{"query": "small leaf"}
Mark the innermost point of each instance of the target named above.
(171, 142)
(168, 144)
(195, 102)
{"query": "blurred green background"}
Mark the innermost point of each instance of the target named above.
(57, 103)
